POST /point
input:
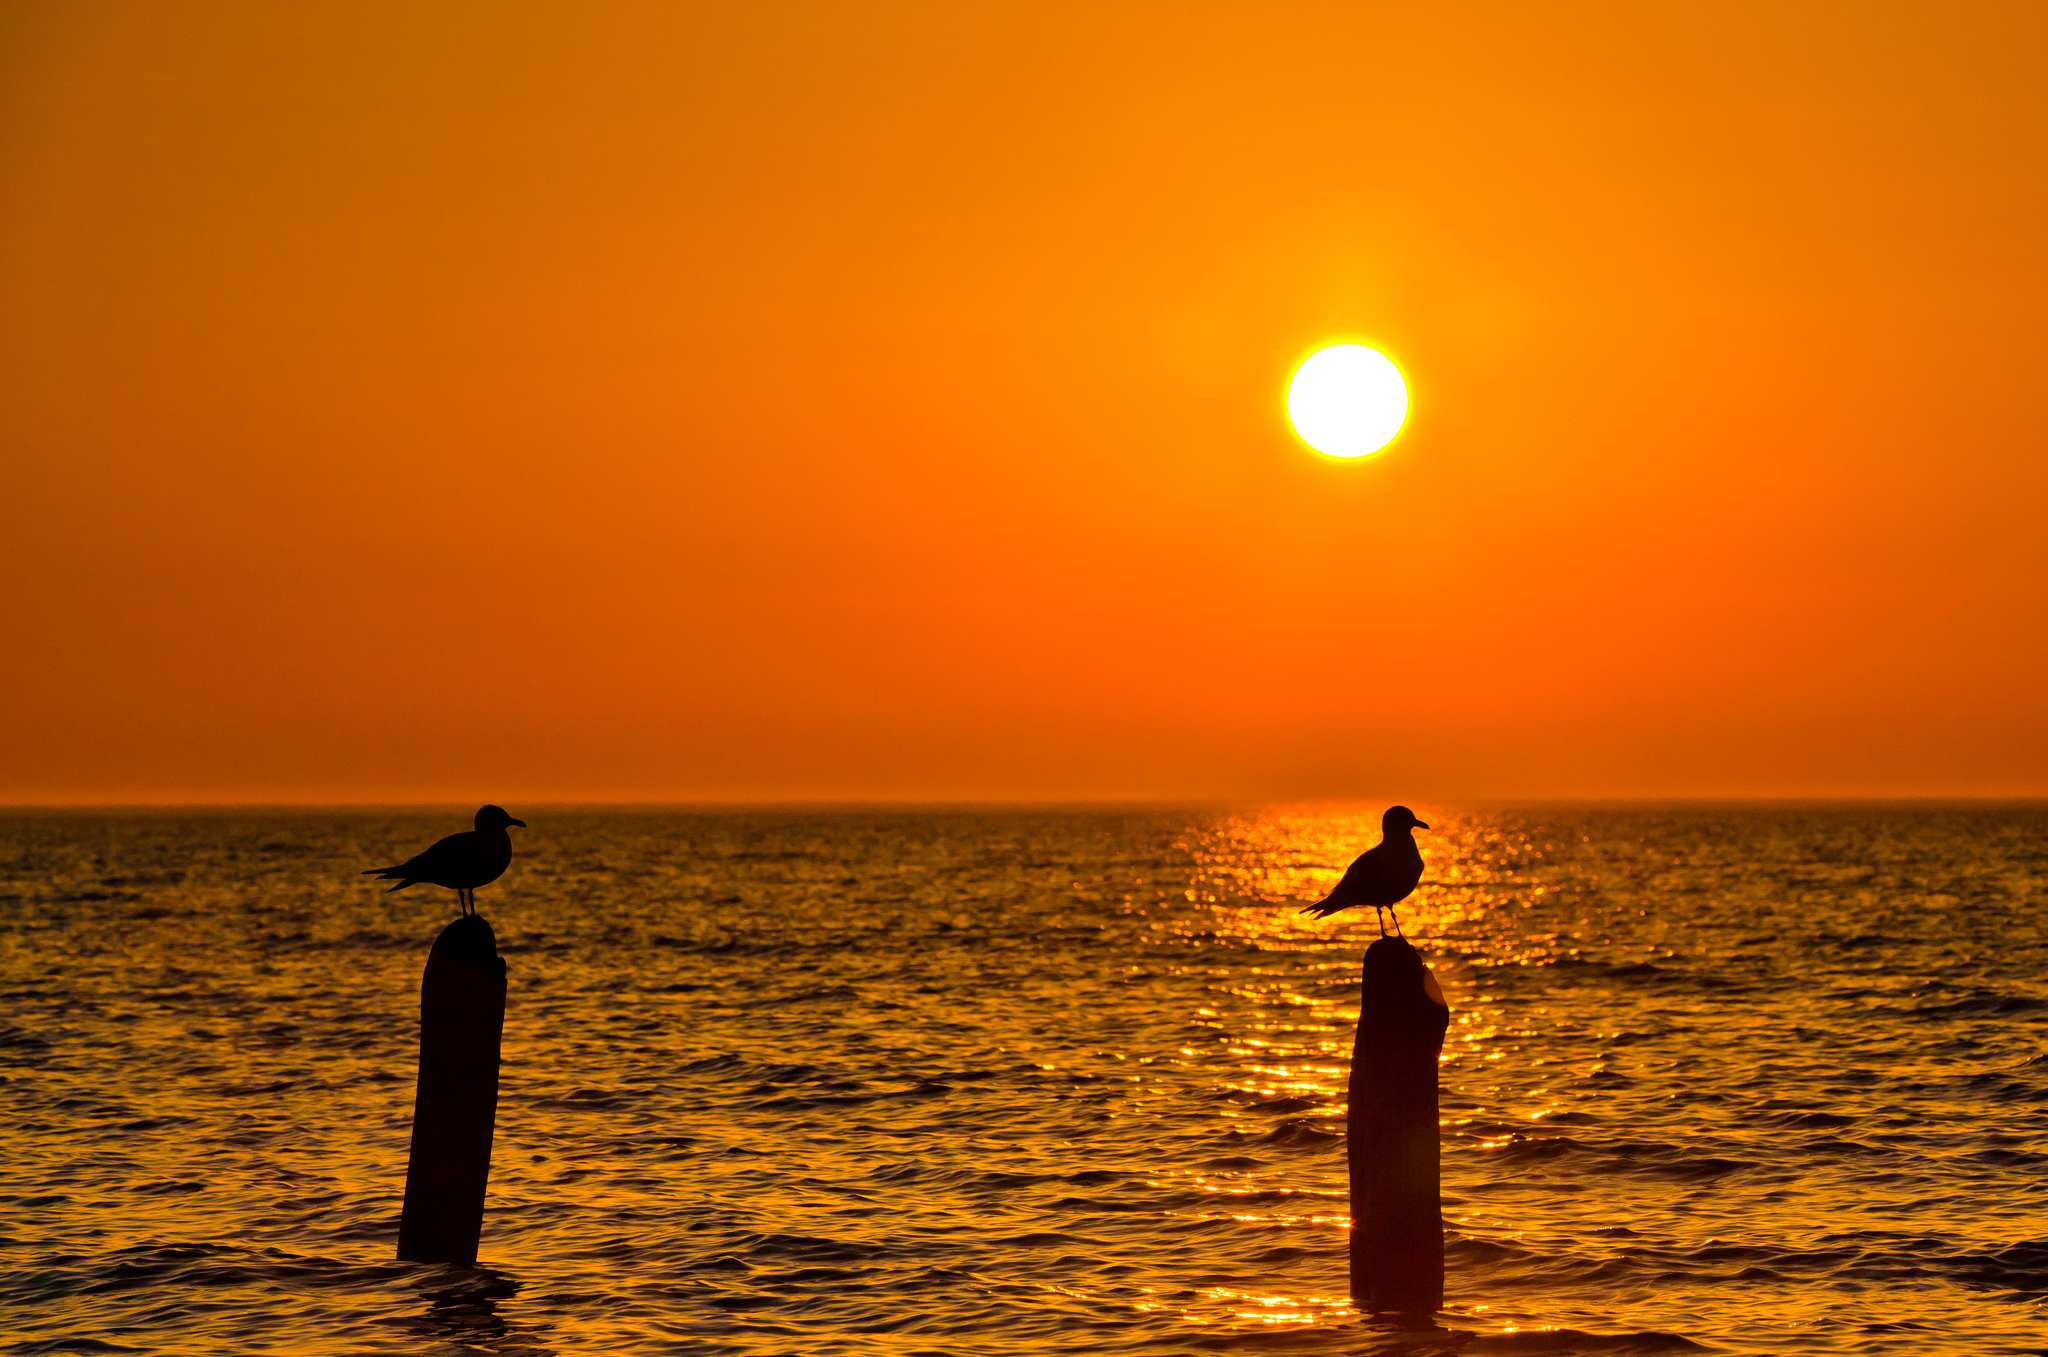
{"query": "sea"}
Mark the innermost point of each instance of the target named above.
(1727, 1079)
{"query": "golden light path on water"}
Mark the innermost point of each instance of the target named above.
(1253, 872)
(1014, 1082)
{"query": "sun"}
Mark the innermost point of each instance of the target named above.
(1347, 400)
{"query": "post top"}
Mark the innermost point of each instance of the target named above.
(467, 939)
(1394, 968)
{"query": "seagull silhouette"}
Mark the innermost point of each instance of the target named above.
(1384, 874)
(461, 862)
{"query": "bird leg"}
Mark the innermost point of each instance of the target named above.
(1381, 915)
(1397, 923)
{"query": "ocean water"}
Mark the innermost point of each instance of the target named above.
(1740, 1080)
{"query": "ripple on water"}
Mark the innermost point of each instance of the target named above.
(1742, 1080)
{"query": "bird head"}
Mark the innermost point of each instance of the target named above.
(494, 817)
(1399, 818)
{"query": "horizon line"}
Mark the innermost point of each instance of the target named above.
(1046, 803)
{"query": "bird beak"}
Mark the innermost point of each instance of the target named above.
(1418, 824)
(520, 823)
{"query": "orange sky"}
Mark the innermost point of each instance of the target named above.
(532, 403)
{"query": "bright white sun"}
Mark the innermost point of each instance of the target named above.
(1347, 400)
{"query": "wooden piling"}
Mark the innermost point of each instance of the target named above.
(1397, 1224)
(455, 1108)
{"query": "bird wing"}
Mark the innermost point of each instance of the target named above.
(1355, 888)
(451, 852)
(1381, 876)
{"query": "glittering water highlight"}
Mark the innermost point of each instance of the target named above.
(1748, 1080)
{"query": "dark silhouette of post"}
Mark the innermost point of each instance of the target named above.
(455, 1110)
(1397, 1222)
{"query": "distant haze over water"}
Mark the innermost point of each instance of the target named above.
(1757, 1079)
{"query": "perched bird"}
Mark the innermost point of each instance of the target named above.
(461, 862)
(1384, 874)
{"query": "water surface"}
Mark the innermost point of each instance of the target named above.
(1754, 1080)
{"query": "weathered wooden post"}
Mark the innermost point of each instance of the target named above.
(455, 1110)
(1397, 1222)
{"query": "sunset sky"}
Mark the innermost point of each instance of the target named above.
(410, 403)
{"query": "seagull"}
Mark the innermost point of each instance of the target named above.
(461, 862)
(1384, 874)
